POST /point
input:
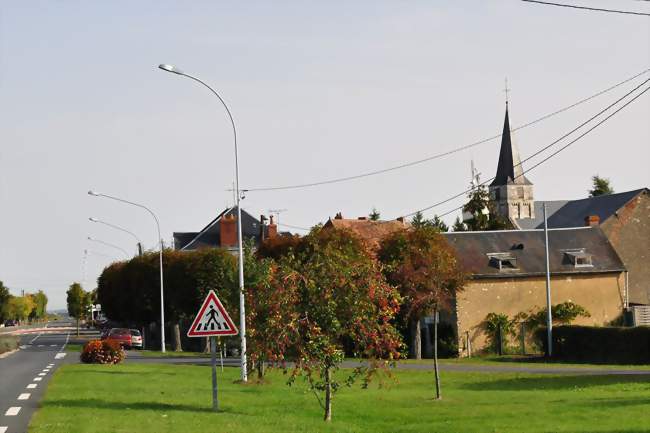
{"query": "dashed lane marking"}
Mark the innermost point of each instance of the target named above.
(38, 379)
(3, 429)
(24, 396)
(42, 374)
(53, 345)
(32, 385)
(59, 355)
(34, 339)
(41, 345)
(12, 411)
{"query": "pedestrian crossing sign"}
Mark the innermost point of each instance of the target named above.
(212, 320)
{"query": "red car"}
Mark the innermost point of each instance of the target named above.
(121, 335)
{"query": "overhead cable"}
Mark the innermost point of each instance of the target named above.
(617, 11)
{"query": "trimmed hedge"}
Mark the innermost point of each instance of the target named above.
(611, 345)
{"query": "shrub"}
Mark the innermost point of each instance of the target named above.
(8, 343)
(496, 323)
(102, 352)
(599, 344)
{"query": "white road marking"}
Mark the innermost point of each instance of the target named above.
(41, 345)
(59, 355)
(12, 411)
(38, 379)
(42, 374)
(53, 345)
(24, 396)
(32, 385)
(3, 429)
(23, 347)
(34, 339)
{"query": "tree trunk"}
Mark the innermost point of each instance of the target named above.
(177, 338)
(260, 369)
(328, 394)
(435, 353)
(416, 338)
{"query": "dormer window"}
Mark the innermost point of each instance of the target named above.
(503, 261)
(580, 258)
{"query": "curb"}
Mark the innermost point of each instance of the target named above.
(4, 355)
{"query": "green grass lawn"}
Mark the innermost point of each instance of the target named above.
(173, 398)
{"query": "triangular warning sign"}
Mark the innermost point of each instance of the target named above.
(212, 319)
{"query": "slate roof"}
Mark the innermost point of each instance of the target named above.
(509, 169)
(210, 235)
(572, 213)
(527, 247)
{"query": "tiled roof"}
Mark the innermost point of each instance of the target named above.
(370, 231)
(527, 249)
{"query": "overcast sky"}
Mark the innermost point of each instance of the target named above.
(318, 90)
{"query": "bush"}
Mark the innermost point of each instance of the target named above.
(8, 343)
(611, 345)
(102, 352)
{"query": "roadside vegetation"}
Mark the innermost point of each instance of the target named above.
(8, 343)
(172, 398)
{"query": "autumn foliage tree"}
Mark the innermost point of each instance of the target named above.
(421, 263)
(341, 297)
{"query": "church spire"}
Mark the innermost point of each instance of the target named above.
(509, 169)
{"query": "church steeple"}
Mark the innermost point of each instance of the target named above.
(509, 169)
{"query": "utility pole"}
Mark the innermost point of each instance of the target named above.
(549, 314)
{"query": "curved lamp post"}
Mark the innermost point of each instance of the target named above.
(162, 298)
(122, 229)
(242, 310)
(126, 254)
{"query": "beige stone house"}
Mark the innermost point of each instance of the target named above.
(507, 275)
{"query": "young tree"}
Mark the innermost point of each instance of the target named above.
(40, 305)
(342, 298)
(374, 215)
(19, 307)
(78, 302)
(484, 216)
(459, 226)
(436, 222)
(4, 301)
(424, 267)
(600, 186)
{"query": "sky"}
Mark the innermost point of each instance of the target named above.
(318, 90)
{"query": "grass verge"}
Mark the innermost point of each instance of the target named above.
(173, 398)
(8, 343)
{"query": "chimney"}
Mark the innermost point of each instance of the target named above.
(592, 220)
(273, 228)
(228, 231)
(262, 224)
(401, 219)
(338, 216)
(363, 218)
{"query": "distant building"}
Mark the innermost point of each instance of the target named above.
(370, 231)
(221, 232)
(507, 275)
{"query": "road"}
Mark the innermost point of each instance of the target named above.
(24, 375)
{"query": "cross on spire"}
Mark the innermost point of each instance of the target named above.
(506, 90)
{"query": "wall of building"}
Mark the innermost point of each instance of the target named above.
(629, 233)
(600, 294)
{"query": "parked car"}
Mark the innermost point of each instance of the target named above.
(11, 323)
(136, 339)
(121, 335)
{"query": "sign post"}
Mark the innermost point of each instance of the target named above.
(212, 321)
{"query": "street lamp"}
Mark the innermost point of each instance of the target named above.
(126, 254)
(242, 311)
(162, 298)
(137, 239)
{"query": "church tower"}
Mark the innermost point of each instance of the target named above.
(510, 191)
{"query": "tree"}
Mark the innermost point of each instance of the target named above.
(436, 222)
(4, 300)
(19, 307)
(424, 267)
(459, 226)
(484, 216)
(343, 302)
(78, 302)
(40, 305)
(600, 186)
(374, 215)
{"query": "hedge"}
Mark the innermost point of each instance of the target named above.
(612, 345)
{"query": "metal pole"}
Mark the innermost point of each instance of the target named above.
(215, 395)
(160, 240)
(242, 300)
(549, 314)
(122, 229)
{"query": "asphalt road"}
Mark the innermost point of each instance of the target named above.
(24, 375)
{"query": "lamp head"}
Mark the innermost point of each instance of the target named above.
(170, 68)
(90, 239)
(91, 192)
(95, 220)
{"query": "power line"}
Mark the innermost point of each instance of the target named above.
(586, 8)
(293, 227)
(544, 148)
(450, 152)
